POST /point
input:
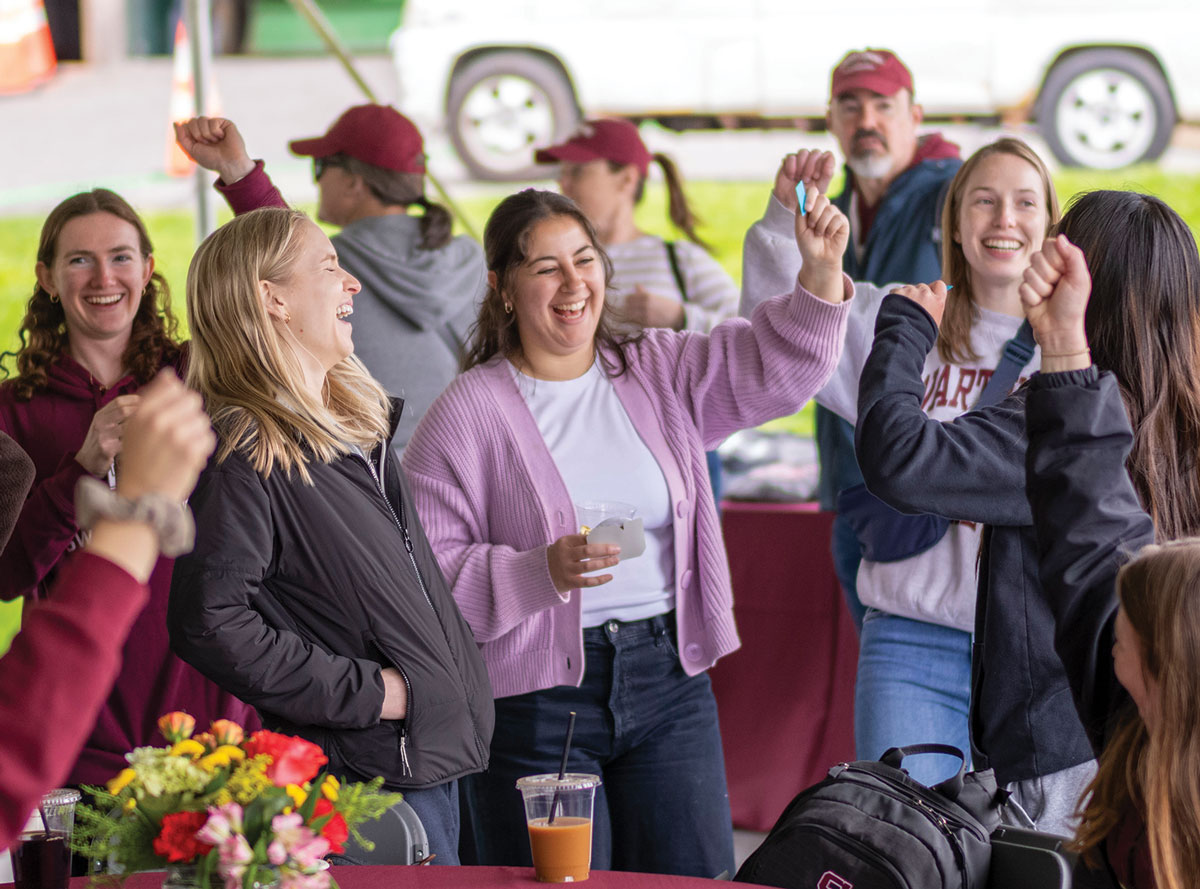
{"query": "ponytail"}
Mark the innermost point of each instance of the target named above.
(436, 224)
(679, 211)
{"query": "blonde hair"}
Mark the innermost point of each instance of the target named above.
(954, 333)
(1157, 771)
(250, 377)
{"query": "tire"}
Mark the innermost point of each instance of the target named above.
(1106, 108)
(503, 105)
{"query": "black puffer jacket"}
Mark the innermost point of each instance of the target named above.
(296, 596)
(1023, 718)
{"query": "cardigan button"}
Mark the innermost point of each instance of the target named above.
(681, 508)
(686, 579)
(693, 652)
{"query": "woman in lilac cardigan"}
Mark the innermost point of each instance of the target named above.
(554, 410)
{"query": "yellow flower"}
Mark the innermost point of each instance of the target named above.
(329, 788)
(119, 783)
(221, 757)
(176, 726)
(130, 804)
(187, 747)
(297, 794)
(226, 731)
(249, 779)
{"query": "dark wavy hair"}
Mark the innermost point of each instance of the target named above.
(1143, 324)
(44, 335)
(505, 242)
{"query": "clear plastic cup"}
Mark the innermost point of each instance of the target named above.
(41, 859)
(592, 512)
(558, 813)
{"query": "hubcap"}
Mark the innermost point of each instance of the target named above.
(1106, 119)
(502, 119)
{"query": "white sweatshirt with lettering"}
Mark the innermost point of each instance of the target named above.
(938, 585)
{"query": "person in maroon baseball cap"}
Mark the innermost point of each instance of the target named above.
(603, 168)
(421, 285)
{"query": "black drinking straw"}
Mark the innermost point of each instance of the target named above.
(562, 768)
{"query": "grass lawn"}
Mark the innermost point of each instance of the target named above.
(727, 209)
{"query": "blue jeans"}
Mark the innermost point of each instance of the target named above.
(914, 687)
(437, 807)
(646, 728)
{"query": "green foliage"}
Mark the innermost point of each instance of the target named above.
(360, 803)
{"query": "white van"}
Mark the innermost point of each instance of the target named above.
(1106, 81)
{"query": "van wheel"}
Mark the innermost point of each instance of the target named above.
(503, 105)
(1106, 108)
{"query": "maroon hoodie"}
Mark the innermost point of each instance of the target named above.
(152, 681)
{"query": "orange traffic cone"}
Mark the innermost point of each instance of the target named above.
(183, 102)
(26, 50)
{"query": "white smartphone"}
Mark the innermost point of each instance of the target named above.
(625, 533)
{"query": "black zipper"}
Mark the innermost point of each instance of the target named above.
(408, 544)
(924, 801)
(408, 547)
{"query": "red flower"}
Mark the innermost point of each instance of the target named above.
(335, 829)
(177, 840)
(293, 760)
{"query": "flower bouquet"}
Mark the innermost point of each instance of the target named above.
(243, 812)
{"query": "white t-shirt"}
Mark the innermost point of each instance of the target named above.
(600, 456)
(938, 585)
(643, 262)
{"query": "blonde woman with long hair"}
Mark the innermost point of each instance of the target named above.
(312, 590)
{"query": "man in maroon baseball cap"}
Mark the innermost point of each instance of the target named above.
(895, 186)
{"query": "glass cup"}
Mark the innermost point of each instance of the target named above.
(592, 512)
(42, 858)
(558, 813)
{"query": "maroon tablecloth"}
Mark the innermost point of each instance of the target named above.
(786, 698)
(452, 878)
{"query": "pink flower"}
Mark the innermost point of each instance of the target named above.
(297, 841)
(223, 822)
(233, 856)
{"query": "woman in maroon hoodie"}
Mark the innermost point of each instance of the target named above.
(98, 327)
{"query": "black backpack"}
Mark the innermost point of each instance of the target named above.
(870, 826)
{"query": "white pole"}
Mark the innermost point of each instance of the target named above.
(199, 25)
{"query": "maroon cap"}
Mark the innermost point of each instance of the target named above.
(877, 70)
(375, 134)
(608, 140)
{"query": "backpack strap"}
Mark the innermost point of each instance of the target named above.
(1017, 353)
(673, 259)
(953, 785)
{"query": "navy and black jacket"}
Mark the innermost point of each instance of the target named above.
(296, 596)
(1023, 718)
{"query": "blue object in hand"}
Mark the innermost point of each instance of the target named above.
(801, 196)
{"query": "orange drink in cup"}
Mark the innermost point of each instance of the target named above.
(558, 813)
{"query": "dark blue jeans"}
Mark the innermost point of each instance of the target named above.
(437, 807)
(646, 728)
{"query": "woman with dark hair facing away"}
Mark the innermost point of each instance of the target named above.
(312, 590)
(555, 410)
(420, 285)
(1133, 657)
(98, 327)
(656, 283)
(914, 669)
(1142, 326)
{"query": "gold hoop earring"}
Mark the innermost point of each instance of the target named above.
(53, 297)
(508, 308)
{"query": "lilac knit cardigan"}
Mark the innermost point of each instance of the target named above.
(491, 499)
